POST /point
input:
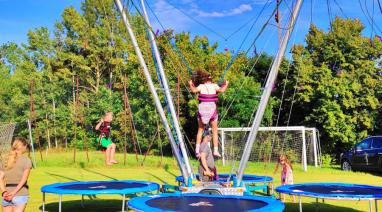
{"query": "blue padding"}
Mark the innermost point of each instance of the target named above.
(247, 178)
(205, 203)
(101, 187)
(332, 190)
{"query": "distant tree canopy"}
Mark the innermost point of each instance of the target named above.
(337, 80)
(65, 80)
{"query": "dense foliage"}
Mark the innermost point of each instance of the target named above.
(66, 80)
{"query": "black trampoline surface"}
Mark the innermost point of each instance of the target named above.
(102, 186)
(204, 203)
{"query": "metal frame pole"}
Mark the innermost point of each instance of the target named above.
(304, 158)
(314, 135)
(123, 203)
(152, 89)
(167, 93)
(60, 203)
(43, 202)
(266, 94)
(222, 137)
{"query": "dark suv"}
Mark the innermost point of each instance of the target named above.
(366, 155)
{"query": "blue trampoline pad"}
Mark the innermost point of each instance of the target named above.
(205, 203)
(247, 178)
(101, 187)
(332, 190)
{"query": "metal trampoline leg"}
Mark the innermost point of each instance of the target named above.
(300, 203)
(376, 205)
(316, 204)
(82, 201)
(123, 203)
(370, 205)
(43, 202)
(60, 203)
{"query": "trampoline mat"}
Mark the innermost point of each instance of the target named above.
(337, 189)
(195, 203)
(101, 186)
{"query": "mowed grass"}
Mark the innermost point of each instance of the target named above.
(58, 166)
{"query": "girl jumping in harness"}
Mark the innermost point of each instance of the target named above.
(207, 113)
(104, 140)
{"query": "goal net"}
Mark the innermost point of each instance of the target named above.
(6, 134)
(300, 144)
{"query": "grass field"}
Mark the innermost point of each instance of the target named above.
(59, 167)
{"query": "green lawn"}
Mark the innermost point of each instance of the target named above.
(59, 167)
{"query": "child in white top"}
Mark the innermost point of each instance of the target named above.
(207, 109)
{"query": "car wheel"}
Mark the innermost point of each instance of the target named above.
(346, 165)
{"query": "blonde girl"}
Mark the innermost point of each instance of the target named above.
(16, 169)
(286, 171)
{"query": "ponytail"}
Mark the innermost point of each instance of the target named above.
(12, 155)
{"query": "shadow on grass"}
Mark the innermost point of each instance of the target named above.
(321, 207)
(96, 205)
(103, 175)
(167, 169)
(61, 176)
(156, 177)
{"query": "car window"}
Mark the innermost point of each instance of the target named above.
(365, 144)
(377, 143)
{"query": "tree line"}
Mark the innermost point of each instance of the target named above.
(64, 80)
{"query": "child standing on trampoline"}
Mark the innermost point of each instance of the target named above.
(15, 169)
(207, 109)
(286, 171)
(207, 169)
(104, 128)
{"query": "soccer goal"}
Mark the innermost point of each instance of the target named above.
(6, 134)
(299, 143)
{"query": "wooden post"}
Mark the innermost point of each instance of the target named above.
(32, 116)
(129, 114)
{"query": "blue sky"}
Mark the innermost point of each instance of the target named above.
(224, 17)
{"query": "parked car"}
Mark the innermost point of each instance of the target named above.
(366, 155)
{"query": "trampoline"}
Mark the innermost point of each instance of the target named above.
(122, 187)
(205, 203)
(336, 191)
(251, 182)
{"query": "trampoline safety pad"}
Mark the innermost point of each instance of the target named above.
(205, 203)
(101, 187)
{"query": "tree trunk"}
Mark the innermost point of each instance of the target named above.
(54, 123)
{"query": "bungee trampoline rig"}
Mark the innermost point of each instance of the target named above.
(231, 189)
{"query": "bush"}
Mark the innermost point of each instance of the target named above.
(327, 160)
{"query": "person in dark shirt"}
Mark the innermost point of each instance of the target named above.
(207, 169)
(103, 127)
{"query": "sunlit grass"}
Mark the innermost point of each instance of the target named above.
(58, 166)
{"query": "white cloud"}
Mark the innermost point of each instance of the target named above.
(170, 17)
(235, 11)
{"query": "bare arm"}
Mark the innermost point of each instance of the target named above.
(21, 184)
(99, 124)
(193, 88)
(2, 182)
(223, 87)
(203, 157)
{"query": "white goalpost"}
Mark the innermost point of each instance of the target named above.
(299, 143)
(6, 134)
